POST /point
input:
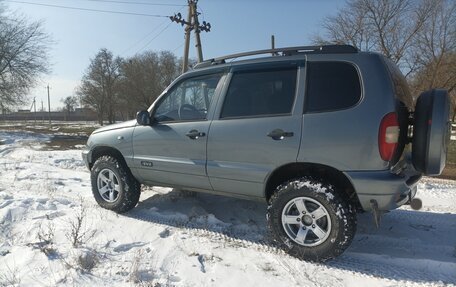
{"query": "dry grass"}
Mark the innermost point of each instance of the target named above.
(10, 277)
(78, 233)
(43, 127)
(45, 237)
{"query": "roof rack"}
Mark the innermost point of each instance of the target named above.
(324, 49)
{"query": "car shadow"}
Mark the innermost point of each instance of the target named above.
(418, 246)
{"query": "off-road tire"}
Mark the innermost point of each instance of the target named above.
(130, 188)
(341, 213)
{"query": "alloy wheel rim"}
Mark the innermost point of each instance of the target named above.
(306, 221)
(108, 185)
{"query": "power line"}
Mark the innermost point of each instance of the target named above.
(143, 38)
(202, 12)
(137, 3)
(88, 9)
(150, 41)
(146, 36)
(178, 47)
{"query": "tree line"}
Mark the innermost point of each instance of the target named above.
(117, 88)
(417, 35)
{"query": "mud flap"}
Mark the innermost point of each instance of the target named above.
(376, 213)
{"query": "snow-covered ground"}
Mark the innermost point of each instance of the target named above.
(171, 239)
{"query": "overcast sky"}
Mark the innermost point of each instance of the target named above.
(237, 26)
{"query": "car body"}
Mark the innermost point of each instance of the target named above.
(331, 114)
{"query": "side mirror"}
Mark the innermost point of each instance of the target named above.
(143, 118)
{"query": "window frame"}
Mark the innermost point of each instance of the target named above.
(177, 83)
(306, 93)
(262, 67)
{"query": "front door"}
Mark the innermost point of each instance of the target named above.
(172, 151)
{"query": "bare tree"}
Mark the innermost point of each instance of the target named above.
(386, 26)
(169, 68)
(438, 73)
(24, 47)
(70, 104)
(144, 77)
(419, 36)
(140, 81)
(435, 49)
(99, 85)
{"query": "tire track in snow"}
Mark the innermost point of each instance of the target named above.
(362, 264)
(437, 220)
(394, 268)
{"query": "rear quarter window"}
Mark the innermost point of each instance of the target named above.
(400, 85)
(331, 86)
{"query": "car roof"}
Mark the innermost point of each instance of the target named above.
(287, 51)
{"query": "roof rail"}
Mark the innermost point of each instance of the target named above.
(287, 51)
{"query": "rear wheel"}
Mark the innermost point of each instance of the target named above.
(311, 220)
(113, 186)
(431, 132)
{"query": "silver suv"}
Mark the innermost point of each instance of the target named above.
(320, 133)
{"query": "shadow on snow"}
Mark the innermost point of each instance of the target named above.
(409, 245)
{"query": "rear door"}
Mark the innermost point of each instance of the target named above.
(256, 128)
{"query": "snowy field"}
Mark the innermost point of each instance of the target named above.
(53, 234)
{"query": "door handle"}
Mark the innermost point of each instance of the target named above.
(195, 134)
(279, 134)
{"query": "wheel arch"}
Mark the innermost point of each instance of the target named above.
(100, 151)
(316, 171)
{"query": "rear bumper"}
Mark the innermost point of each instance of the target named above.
(390, 190)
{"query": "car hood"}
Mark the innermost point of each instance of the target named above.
(121, 125)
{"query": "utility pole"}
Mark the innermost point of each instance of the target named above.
(42, 111)
(49, 105)
(34, 108)
(196, 26)
(192, 23)
(273, 45)
(187, 38)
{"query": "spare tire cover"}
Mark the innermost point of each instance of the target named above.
(431, 132)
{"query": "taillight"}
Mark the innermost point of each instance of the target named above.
(388, 136)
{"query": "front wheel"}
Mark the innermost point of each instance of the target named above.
(113, 186)
(311, 221)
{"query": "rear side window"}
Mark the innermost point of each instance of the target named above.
(331, 86)
(257, 93)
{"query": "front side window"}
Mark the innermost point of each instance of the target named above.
(189, 100)
(257, 93)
